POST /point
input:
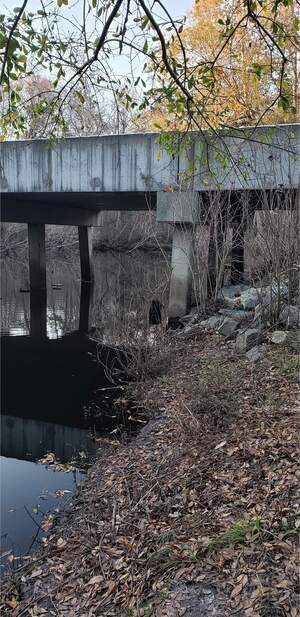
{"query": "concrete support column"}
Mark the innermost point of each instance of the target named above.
(181, 276)
(182, 208)
(37, 256)
(85, 235)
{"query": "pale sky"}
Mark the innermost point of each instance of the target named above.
(73, 12)
(175, 7)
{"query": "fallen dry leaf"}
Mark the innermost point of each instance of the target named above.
(61, 543)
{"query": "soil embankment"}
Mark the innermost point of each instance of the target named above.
(195, 516)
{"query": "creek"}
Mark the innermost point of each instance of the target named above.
(61, 370)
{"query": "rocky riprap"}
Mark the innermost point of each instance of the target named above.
(246, 317)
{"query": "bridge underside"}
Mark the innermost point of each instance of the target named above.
(70, 208)
(183, 209)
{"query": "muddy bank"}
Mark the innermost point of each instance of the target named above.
(197, 513)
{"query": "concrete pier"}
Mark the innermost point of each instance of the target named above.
(182, 208)
(181, 275)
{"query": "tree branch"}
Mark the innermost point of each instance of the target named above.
(12, 30)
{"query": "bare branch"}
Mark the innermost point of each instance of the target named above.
(12, 30)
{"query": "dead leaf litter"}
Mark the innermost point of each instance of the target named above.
(201, 504)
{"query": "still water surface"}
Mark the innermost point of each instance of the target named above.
(58, 354)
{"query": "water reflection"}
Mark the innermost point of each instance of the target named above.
(125, 285)
(28, 493)
(58, 349)
(26, 439)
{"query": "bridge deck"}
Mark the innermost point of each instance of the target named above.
(73, 179)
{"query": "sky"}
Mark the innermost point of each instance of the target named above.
(119, 65)
(178, 7)
(175, 7)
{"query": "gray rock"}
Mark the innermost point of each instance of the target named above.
(213, 322)
(191, 328)
(233, 303)
(238, 315)
(249, 298)
(268, 296)
(279, 337)
(228, 327)
(190, 319)
(265, 296)
(258, 313)
(290, 316)
(294, 339)
(290, 338)
(248, 339)
(231, 291)
(256, 353)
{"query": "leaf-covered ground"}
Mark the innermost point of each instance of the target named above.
(197, 515)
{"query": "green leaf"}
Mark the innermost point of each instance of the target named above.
(145, 47)
(80, 96)
(258, 69)
(285, 101)
(180, 107)
(144, 23)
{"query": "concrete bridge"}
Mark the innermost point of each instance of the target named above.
(69, 182)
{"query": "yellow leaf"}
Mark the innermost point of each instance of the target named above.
(158, 156)
(13, 602)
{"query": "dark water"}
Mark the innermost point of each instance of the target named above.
(61, 369)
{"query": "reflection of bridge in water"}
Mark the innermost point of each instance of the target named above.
(48, 398)
(52, 379)
(38, 310)
(49, 394)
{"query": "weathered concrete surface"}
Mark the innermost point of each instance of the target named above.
(180, 284)
(178, 207)
(265, 157)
